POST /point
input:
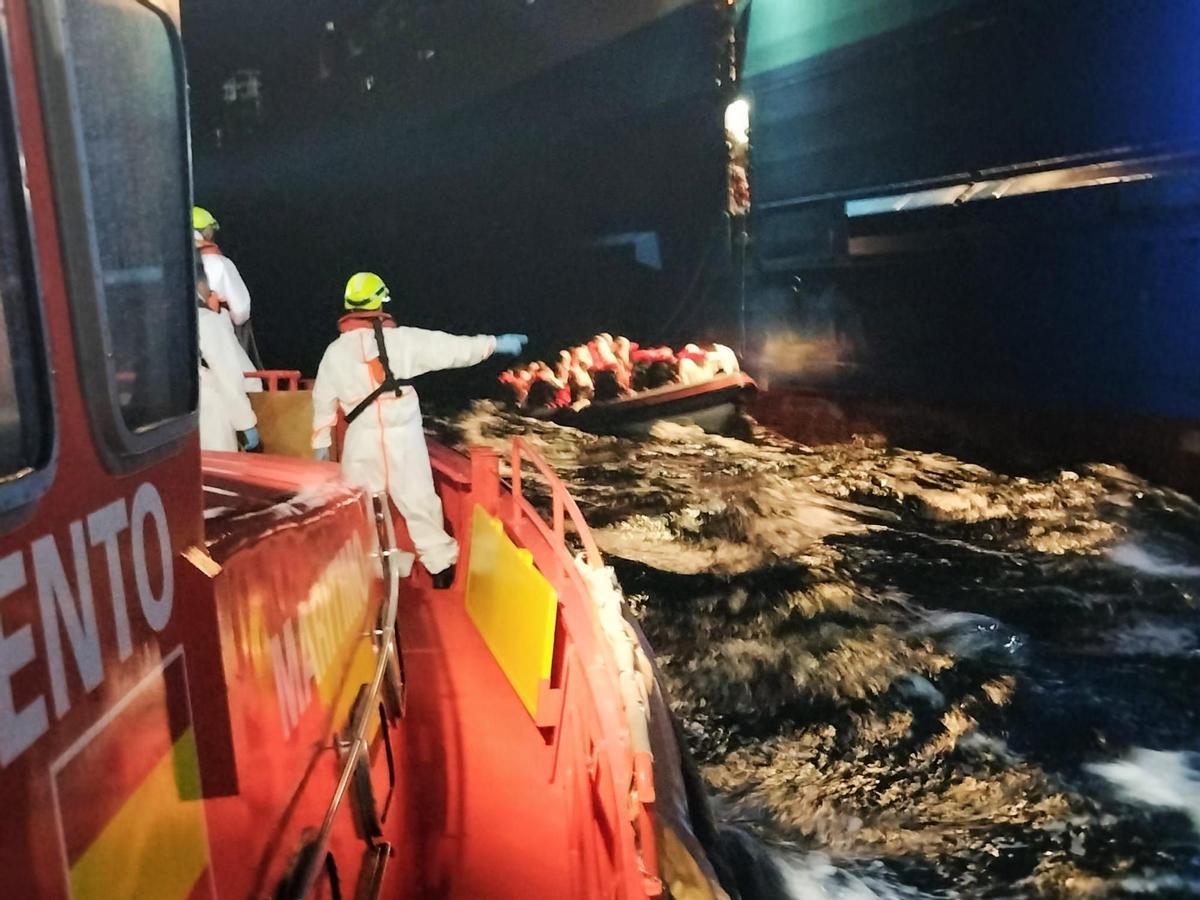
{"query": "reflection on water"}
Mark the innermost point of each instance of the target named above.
(912, 675)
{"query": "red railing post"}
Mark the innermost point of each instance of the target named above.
(485, 478)
(273, 378)
(515, 480)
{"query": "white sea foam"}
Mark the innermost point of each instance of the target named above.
(1175, 885)
(1154, 638)
(973, 635)
(813, 876)
(1158, 778)
(1137, 557)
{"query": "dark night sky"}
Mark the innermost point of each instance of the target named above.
(475, 180)
(481, 46)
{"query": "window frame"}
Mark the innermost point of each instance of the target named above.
(22, 488)
(121, 448)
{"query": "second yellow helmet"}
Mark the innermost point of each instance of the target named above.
(202, 218)
(366, 290)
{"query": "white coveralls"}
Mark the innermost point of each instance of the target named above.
(692, 372)
(385, 446)
(724, 360)
(224, 278)
(224, 408)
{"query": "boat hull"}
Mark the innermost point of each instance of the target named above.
(714, 406)
(972, 234)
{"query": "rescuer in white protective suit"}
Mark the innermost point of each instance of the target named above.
(366, 371)
(225, 279)
(226, 417)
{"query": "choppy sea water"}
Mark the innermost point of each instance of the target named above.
(906, 675)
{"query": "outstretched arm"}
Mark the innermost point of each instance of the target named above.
(437, 350)
(434, 350)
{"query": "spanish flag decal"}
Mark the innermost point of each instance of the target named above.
(129, 801)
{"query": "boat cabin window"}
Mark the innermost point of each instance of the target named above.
(125, 209)
(26, 421)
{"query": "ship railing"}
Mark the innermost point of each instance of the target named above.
(624, 658)
(562, 504)
(276, 379)
(356, 744)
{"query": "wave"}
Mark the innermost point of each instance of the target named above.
(972, 635)
(1140, 559)
(814, 876)
(1156, 778)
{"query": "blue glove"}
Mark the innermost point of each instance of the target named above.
(253, 441)
(511, 344)
(321, 453)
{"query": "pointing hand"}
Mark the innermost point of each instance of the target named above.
(511, 344)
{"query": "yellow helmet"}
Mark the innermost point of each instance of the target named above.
(202, 218)
(366, 290)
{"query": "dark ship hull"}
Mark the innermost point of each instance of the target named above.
(976, 228)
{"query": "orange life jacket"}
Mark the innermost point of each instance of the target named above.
(366, 318)
(653, 355)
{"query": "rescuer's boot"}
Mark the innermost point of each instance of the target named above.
(444, 578)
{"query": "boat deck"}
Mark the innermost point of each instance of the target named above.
(473, 773)
(483, 802)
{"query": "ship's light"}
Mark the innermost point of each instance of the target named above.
(737, 120)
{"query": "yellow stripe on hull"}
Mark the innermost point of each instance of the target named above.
(156, 846)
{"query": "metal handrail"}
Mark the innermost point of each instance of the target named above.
(357, 745)
(634, 701)
(560, 500)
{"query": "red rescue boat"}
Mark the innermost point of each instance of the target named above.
(217, 676)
